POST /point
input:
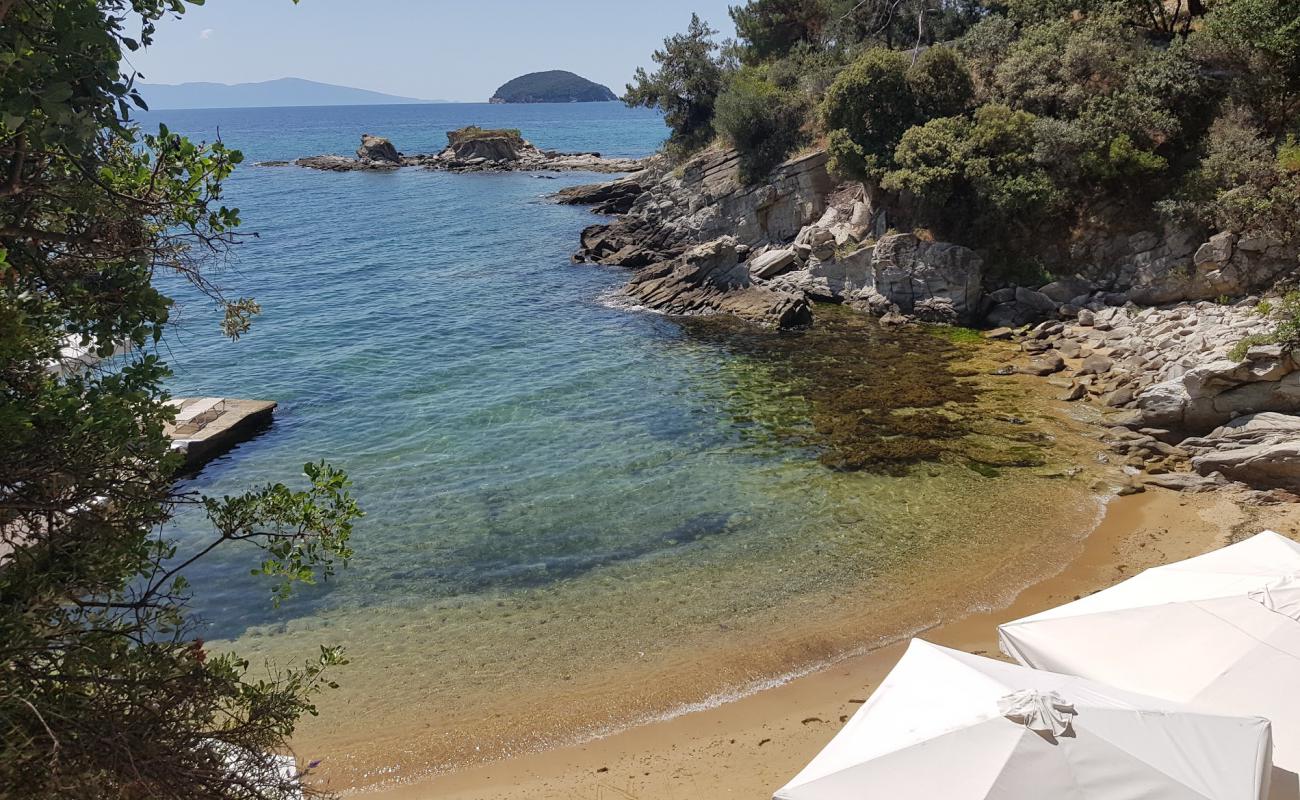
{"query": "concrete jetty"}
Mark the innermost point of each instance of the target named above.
(207, 427)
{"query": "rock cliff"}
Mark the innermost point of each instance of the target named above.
(705, 199)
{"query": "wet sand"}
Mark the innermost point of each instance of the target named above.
(750, 747)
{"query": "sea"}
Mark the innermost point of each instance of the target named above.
(579, 517)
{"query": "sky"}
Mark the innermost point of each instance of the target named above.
(427, 49)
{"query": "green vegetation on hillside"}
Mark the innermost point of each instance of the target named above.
(105, 689)
(472, 133)
(555, 86)
(1008, 125)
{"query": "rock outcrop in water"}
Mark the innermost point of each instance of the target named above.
(614, 197)
(471, 149)
(379, 149)
(711, 279)
(798, 238)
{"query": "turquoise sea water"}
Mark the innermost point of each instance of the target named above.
(560, 494)
(428, 332)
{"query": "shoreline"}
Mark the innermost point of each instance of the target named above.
(750, 746)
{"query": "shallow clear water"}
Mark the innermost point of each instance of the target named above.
(564, 500)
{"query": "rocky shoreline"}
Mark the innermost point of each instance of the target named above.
(1134, 333)
(468, 150)
(1182, 410)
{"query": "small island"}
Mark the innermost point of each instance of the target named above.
(554, 86)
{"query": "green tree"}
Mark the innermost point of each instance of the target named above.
(104, 689)
(684, 87)
(1055, 68)
(984, 170)
(901, 23)
(941, 83)
(1256, 43)
(771, 28)
(1243, 182)
(984, 47)
(762, 121)
(866, 112)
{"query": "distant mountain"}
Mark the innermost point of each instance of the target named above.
(282, 92)
(555, 86)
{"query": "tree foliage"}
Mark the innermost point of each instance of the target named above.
(901, 24)
(986, 164)
(764, 122)
(684, 87)
(772, 28)
(1107, 108)
(941, 83)
(105, 691)
(1244, 181)
(1257, 44)
(866, 112)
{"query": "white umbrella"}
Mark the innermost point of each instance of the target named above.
(1220, 631)
(946, 724)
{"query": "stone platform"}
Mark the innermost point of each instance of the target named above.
(207, 427)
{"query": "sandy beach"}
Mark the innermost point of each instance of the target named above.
(751, 747)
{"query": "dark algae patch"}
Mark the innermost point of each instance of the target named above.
(875, 398)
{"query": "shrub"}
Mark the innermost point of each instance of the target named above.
(1121, 160)
(986, 165)
(1286, 330)
(984, 47)
(473, 133)
(931, 160)
(1256, 45)
(807, 69)
(763, 122)
(1242, 182)
(941, 83)
(1054, 69)
(1288, 155)
(866, 111)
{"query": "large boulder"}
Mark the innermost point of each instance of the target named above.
(836, 279)
(377, 148)
(1225, 264)
(1262, 450)
(711, 279)
(1066, 289)
(1212, 394)
(772, 263)
(908, 271)
(472, 143)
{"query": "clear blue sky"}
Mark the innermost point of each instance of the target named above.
(430, 49)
